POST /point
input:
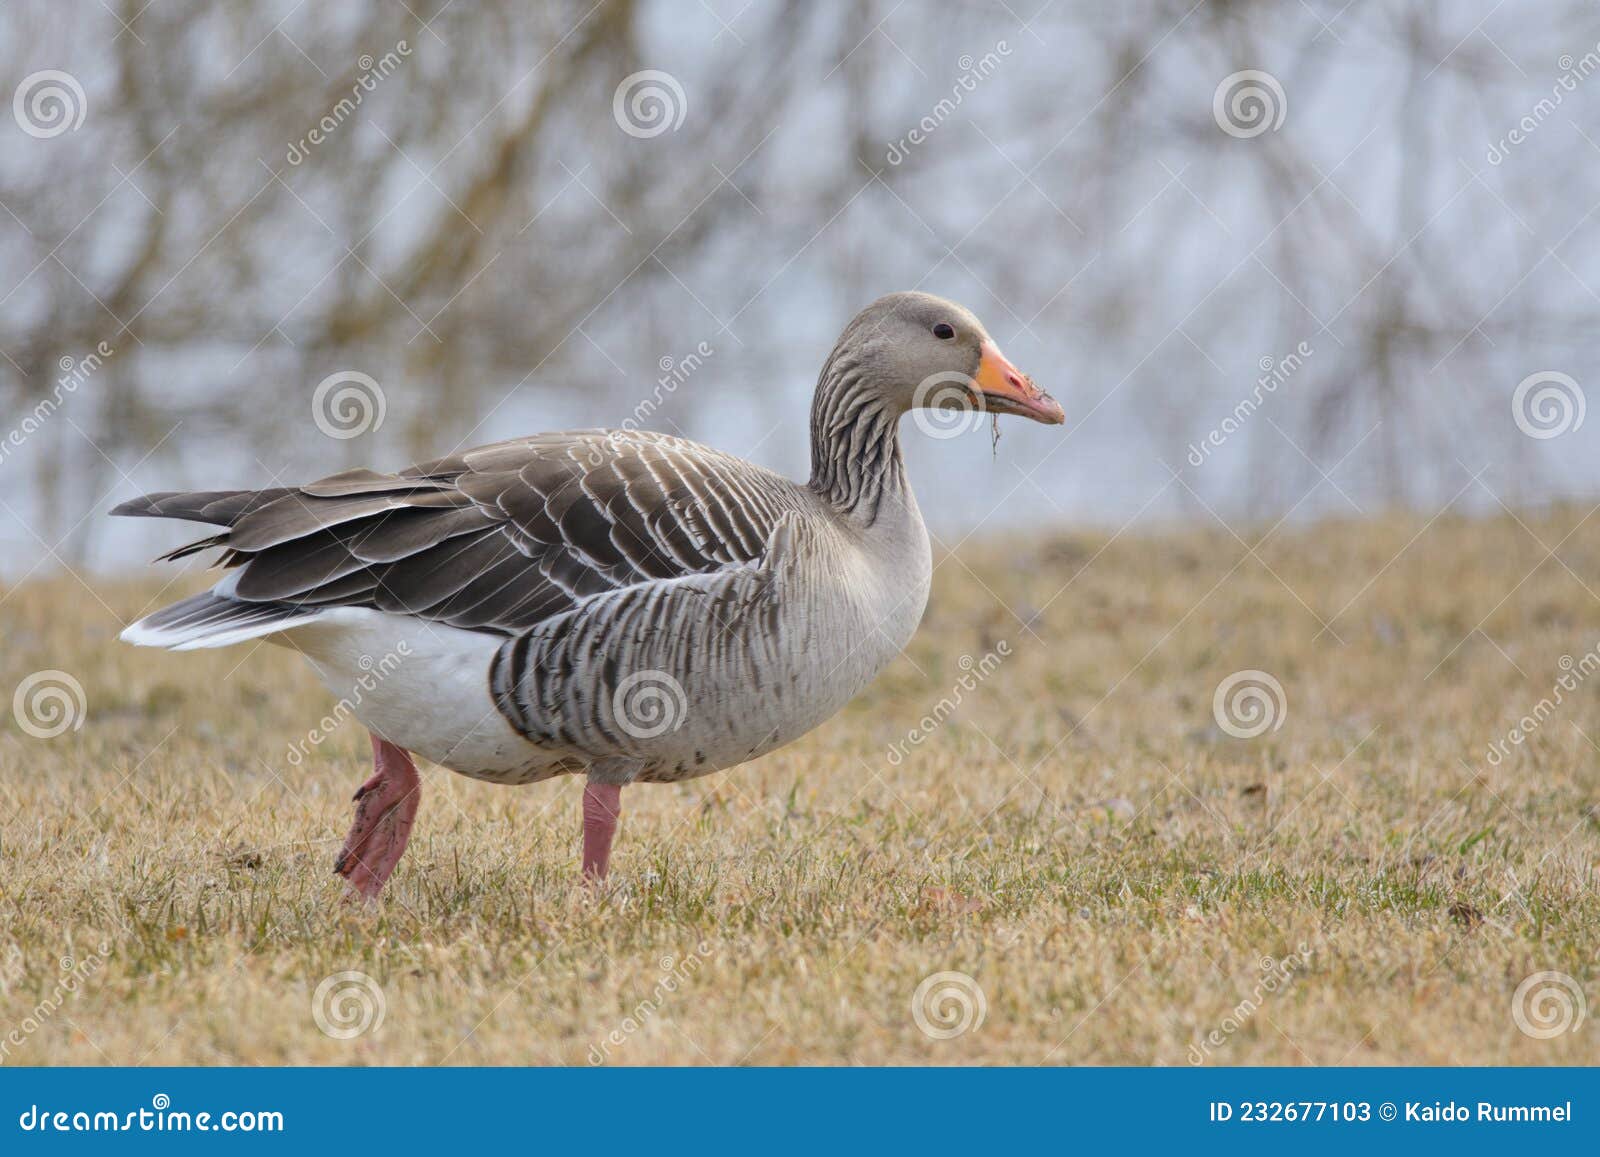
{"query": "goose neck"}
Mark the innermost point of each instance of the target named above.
(855, 443)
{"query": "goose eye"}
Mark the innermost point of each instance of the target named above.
(944, 331)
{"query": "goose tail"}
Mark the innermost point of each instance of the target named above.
(212, 620)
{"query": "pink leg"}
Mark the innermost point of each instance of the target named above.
(602, 804)
(386, 807)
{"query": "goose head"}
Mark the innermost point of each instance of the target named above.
(924, 352)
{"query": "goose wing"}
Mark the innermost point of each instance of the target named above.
(497, 538)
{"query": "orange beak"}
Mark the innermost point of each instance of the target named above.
(1007, 390)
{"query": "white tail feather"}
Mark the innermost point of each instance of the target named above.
(213, 620)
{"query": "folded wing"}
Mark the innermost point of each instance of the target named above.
(497, 538)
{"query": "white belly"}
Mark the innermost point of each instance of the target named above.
(423, 686)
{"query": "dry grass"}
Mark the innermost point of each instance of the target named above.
(1080, 837)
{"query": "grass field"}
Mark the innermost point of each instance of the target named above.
(1122, 879)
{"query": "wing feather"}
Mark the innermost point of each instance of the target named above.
(501, 537)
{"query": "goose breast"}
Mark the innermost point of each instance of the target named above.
(679, 678)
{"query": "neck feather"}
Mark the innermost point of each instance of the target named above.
(855, 442)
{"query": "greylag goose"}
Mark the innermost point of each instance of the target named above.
(628, 605)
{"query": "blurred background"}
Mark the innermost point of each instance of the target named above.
(1277, 260)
